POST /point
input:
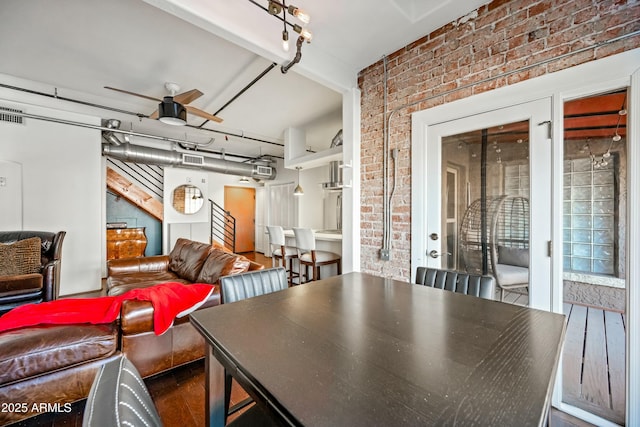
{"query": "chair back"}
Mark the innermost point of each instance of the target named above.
(119, 397)
(456, 281)
(276, 236)
(305, 240)
(253, 283)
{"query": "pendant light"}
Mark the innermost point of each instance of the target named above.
(298, 191)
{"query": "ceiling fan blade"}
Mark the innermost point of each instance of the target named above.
(154, 115)
(133, 93)
(188, 97)
(203, 114)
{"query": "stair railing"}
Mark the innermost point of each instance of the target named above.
(223, 226)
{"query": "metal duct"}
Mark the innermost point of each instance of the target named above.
(155, 156)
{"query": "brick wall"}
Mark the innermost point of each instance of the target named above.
(453, 62)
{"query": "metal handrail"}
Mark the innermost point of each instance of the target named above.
(223, 226)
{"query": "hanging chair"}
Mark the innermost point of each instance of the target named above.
(503, 245)
(474, 238)
(510, 244)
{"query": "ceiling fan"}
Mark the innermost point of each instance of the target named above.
(172, 109)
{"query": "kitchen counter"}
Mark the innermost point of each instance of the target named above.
(324, 235)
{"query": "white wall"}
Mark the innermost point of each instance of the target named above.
(62, 174)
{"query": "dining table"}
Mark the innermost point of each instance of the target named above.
(361, 350)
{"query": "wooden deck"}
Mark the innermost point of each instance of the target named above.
(593, 364)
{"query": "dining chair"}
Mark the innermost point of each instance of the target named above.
(281, 252)
(457, 281)
(119, 397)
(308, 256)
(235, 288)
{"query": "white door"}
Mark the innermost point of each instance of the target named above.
(501, 194)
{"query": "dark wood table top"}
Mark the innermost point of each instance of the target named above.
(362, 350)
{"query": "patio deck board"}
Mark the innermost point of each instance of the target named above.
(595, 381)
(593, 363)
(615, 355)
(573, 350)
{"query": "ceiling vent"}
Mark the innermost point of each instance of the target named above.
(6, 116)
(192, 160)
(264, 170)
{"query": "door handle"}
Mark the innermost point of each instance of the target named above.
(436, 254)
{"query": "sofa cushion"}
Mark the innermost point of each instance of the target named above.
(187, 257)
(513, 256)
(32, 351)
(21, 257)
(118, 285)
(221, 263)
(20, 284)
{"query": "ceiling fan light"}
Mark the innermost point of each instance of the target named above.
(171, 112)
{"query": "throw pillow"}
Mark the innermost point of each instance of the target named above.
(187, 257)
(222, 263)
(21, 257)
(513, 256)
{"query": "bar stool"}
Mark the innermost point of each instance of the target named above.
(310, 257)
(280, 251)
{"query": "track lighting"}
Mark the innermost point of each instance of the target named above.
(279, 9)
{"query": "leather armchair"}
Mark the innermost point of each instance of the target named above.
(22, 289)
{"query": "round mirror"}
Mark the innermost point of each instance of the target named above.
(187, 199)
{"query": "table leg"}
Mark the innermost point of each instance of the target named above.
(214, 391)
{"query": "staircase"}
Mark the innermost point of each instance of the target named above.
(223, 226)
(141, 185)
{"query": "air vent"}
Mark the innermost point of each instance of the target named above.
(6, 116)
(264, 170)
(192, 160)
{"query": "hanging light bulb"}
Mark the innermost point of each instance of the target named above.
(305, 33)
(298, 191)
(300, 14)
(616, 137)
(285, 40)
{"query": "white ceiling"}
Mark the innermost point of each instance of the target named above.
(217, 46)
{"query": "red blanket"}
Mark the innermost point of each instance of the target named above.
(169, 300)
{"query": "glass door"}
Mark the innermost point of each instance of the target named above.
(594, 273)
(480, 169)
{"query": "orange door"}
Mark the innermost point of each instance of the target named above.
(241, 203)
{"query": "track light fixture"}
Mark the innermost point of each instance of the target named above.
(279, 9)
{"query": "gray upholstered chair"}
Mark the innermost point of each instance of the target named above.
(241, 286)
(119, 397)
(457, 281)
(280, 251)
(308, 256)
(237, 287)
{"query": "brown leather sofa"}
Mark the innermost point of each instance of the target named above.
(45, 368)
(37, 286)
(188, 262)
(56, 364)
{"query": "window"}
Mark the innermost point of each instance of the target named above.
(589, 217)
